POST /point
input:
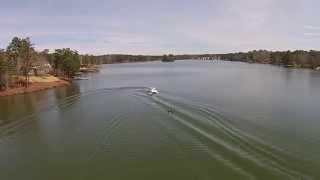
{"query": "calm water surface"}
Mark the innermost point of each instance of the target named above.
(220, 120)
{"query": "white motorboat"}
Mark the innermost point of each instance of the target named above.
(152, 91)
(81, 78)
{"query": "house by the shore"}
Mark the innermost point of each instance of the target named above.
(41, 67)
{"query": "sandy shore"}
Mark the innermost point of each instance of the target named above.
(35, 86)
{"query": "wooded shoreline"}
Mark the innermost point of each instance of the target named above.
(20, 60)
(34, 87)
(294, 59)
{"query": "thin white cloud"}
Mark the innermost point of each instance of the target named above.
(311, 34)
(157, 27)
(310, 27)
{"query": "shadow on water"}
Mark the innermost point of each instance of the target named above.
(20, 110)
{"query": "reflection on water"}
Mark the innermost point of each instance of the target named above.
(15, 107)
(211, 120)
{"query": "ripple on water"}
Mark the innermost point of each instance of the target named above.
(164, 134)
(235, 148)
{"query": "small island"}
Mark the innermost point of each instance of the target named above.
(168, 58)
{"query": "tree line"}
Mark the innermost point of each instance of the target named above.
(20, 59)
(125, 58)
(299, 58)
(116, 58)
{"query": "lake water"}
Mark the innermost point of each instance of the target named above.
(211, 120)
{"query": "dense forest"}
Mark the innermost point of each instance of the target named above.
(299, 58)
(116, 58)
(123, 58)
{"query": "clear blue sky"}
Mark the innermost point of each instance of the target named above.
(163, 26)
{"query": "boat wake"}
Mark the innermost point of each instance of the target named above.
(213, 133)
(206, 138)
